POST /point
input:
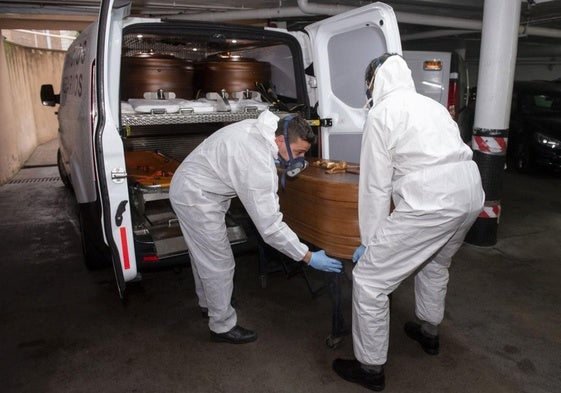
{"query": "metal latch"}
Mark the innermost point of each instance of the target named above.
(119, 214)
(321, 122)
(118, 175)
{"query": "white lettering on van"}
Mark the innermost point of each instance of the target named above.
(74, 71)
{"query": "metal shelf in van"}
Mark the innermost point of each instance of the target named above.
(148, 119)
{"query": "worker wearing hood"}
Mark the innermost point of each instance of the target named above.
(412, 154)
(238, 160)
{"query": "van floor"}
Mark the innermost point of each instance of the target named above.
(64, 329)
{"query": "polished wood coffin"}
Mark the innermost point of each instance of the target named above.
(322, 209)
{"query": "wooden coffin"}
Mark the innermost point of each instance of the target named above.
(323, 210)
(150, 169)
(149, 72)
(233, 73)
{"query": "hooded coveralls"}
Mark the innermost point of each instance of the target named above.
(236, 160)
(412, 153)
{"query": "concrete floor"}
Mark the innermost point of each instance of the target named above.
(64, 329)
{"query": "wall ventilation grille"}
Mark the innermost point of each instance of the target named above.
(35, 180)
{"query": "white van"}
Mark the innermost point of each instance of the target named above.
(443, 77)
(138, 94)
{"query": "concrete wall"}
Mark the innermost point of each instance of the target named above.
(46, 39)
(25, 122)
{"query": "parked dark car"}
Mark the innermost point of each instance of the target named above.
(535, 126)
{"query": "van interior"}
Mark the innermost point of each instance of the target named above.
(180, 84)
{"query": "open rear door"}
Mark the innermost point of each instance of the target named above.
(342, 47)
(108, 146)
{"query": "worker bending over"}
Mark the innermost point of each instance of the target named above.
(238, 160)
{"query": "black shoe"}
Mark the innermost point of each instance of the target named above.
(236, 335)
(430, 344)
(351, 370)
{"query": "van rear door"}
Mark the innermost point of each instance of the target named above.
(108, 149)
(342, 47)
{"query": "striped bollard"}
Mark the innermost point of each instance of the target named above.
(489, 152)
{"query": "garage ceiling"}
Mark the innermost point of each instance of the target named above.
(535, 14)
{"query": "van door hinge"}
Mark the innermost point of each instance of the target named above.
(118, 175)
(321, 122)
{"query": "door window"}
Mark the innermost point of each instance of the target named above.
(348, 60)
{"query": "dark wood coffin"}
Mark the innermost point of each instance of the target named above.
(150, 72)
(323, 210)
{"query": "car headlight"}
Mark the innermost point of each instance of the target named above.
(547, 141)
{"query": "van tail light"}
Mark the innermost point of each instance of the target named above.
(453, 96)
(432, 65)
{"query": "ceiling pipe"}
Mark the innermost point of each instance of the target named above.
(440, 21)
(270, 13)
(306, 9)
(526, 30)
(435, 34)
(322, 9)
(458, 23)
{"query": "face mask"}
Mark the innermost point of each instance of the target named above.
(375, 65)
(294, 166)
(369, 100)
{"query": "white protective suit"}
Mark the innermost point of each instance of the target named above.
(412, 153)
(236, 160)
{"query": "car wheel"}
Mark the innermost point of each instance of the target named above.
(96, 253)
(62, 171)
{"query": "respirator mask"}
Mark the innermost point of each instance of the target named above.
(294, 166)
(369, 102)
(370, 75)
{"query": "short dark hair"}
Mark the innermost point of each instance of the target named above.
(298, 127)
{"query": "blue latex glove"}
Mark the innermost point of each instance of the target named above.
(358, 253)
(320, 261)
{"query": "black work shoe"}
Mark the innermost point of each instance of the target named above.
(351, 370)
(430, 344)
(236, 335)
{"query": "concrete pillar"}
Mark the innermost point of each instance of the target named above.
(499, 43)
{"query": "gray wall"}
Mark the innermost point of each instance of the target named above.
(25, 122)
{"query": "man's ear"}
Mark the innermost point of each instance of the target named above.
(279, 139)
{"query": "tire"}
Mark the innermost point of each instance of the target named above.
(64, 176)
(96, 253)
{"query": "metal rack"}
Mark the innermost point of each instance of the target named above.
(186, 117)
